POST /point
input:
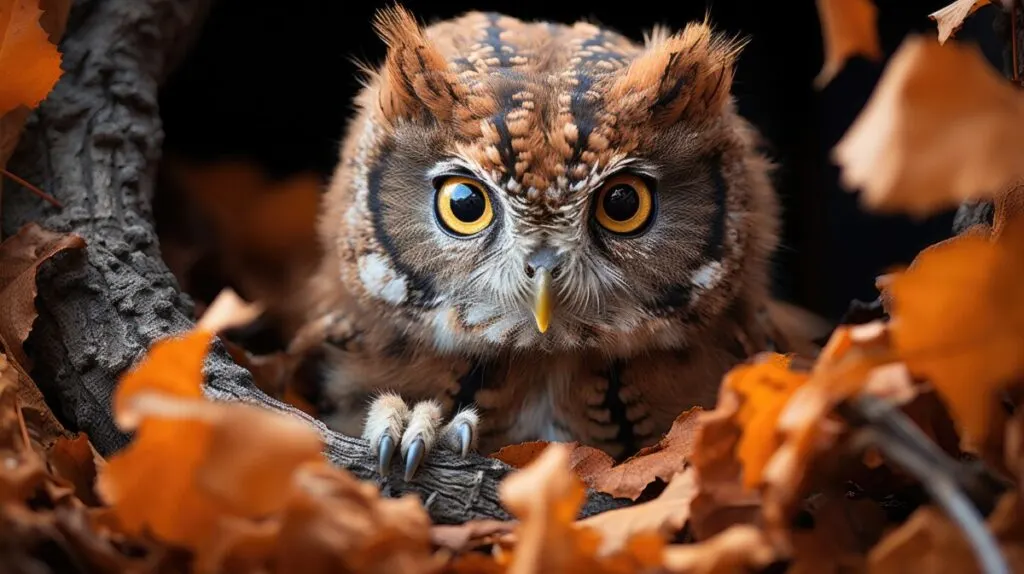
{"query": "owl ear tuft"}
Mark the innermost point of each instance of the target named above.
(687, 75)
(416, 81)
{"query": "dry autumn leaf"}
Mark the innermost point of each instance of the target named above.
(665, 515)
(629, 478)
(1008, 206)
(740, 548)
(521, 454)
(200, 452)
(275, 373)
(806, 428)
(469, 535)
(241, 487)
(662, 460)
(55, 18)
(11, 125)
(22, 468)
(334, 523)
(772, 479)
(842, 533)
(848, 29)
(951, 17)
(29, 61)
(546, 498)
(940, 128)
(228, 311)
(20, 258)
(230, 207)
(722, 500)
(958, 320)
(929, 542)
(765, 386)
(76, 461)
(40, 507)
(53, 21)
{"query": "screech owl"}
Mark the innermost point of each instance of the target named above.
(540, 231)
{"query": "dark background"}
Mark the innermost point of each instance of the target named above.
(272, 84)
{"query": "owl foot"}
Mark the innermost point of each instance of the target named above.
(390, 423)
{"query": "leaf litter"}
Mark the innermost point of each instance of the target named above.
(808, 461)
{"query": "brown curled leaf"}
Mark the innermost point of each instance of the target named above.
(849, 29)
(951, 17)
(941, 127)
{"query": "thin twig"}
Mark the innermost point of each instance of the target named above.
(32, 188)
(901, 441)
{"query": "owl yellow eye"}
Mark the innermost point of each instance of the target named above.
(624, 204)
(464, 206)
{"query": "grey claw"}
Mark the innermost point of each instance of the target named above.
(413, 458)
(465, 438)
(385, 451)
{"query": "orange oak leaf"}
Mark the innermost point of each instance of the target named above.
(629, 478)
(665, 515)
(228, 311)
(1007, 206)
(333, 522)
(521, 454)
(951, 17)
(941, 127)
(470, 534)
(546, 499)
(848, 28)
(958, 320)
(739, 548)
(854, 357)
(764, 386)
(29, 62)
(202, 454)
(722, 500)
(173, 366)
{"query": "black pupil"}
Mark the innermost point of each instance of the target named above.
(467, 203)
(621, 203)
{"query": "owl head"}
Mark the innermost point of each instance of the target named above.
(532, 186)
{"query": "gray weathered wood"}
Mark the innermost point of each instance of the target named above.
(95, 144)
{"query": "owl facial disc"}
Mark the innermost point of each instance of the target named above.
(541, 266)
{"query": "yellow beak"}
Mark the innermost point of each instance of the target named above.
(542, 298)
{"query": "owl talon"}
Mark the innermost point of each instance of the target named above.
(392, 426)
(460, 434)
(465, 438)
(413, 458)
(385, 453)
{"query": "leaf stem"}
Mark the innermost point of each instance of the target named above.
(31, 188)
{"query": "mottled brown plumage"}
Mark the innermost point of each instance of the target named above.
(545, 122)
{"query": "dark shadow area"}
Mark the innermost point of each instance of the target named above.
(273, 86)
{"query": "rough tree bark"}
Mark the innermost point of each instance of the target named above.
(95, 144)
